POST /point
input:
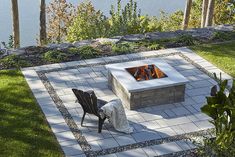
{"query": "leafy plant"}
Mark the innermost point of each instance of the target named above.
(221, 108)
(73, 51)
(222, 36)
(87, 52)
(88, 23)
(13, 61)
(186, 39)
(55, 56)
(122, 48)
(60, 15)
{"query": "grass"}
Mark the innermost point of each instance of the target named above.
(221, 55)
(23, 128)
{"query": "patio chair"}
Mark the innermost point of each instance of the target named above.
(90, 104)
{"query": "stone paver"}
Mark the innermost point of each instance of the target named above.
(150, 123)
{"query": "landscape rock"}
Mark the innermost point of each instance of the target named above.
(83, 43)
(133, 37)
(108, 40)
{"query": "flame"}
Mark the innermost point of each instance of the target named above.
(146, 72)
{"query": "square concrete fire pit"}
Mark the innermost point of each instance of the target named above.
(146, 83)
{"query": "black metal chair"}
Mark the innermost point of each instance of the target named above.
(90, 104)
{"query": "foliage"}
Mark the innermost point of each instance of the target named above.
(87, 52)
(24, 130)
(124, 21)
(54, 56)
(88, 23)
(73, 51)
(223, 36)
(122, 48)
(60, 15)
(13, 61)
(170, 22)
(221, 108)
(185, 39)
(224, 13)
(9, 45)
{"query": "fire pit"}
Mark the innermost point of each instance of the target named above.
(146, 83)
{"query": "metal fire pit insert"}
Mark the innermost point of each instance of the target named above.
(137, 94)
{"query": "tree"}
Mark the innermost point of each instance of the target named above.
(15, 23)
(60, 16)
(204, 12)
(210, 12)
(187, 14)
(43, 34)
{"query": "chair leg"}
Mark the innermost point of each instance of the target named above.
(83, 118)
(101, 122)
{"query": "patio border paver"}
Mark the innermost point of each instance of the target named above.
(53, 107)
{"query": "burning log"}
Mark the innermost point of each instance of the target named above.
(146, 72)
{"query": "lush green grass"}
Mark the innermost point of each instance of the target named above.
(221, 55)
(23, 128)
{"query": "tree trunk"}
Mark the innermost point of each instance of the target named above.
(204, 12)
(187, 14)
(43, 34)
(16, 28)
(210, 12)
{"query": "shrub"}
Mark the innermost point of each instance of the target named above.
(60, 15)
(73, 51)
(122, 48)
(87, 52)
(55, 56)
(88, 23)
(13, 61)
(185, 39)
(221, 108)
(222, 36)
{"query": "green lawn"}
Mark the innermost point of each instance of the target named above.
(221, 55)
(23, 128)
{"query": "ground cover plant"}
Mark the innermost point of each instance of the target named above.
(23, 127)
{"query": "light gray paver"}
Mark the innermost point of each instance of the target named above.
(132, 153)
(72, 150)
(166, 148)
(108, 143)
(125, 140)
(145, 136)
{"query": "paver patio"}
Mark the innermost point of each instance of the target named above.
(158, 130)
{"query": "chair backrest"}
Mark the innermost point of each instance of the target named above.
(87, 100)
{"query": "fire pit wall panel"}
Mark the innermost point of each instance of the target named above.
(153, 97)
(137, 94)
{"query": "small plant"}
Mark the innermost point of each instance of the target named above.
(73, 51)
(122, 48)
(87, 52)
(13, 61)
(55, 56)
(185, 39)
(221, 108)
(88, 23)
(222, 36)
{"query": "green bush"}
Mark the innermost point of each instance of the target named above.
(73, 51)
(55, 56)
(221, 108)
(122, 48)
(87, 52)
(88, 23)
(185, 39)
(222, 36)
(13, 61)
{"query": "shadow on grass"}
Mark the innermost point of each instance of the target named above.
(23, 128)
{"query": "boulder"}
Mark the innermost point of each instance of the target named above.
(83, 43)
(109, 40)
